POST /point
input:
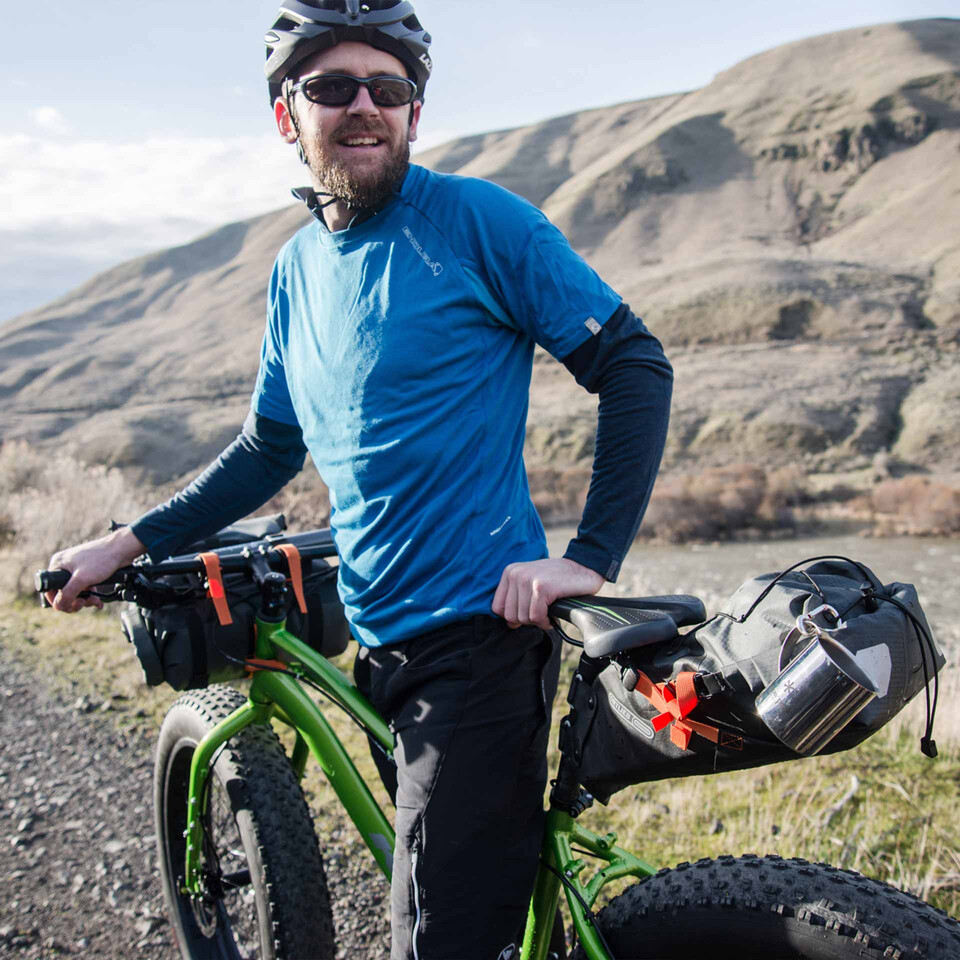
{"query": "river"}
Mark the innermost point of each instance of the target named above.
(713, 571)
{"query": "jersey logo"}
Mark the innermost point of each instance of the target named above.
(493, 533)
(437, 268)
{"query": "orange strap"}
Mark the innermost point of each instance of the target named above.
(254, 665)
(215, 591)
(675, 701)
(296, 575)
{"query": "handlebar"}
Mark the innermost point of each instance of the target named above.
(314, 544)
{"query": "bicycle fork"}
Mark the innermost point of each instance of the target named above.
(278, 694)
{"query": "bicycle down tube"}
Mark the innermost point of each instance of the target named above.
(277, 694)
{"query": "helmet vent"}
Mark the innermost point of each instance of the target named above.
(412, 23)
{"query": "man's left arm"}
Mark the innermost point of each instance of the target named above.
(625, 365)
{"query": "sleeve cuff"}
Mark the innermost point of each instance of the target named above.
(593, 557)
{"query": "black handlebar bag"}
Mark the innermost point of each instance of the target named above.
(185, 645)
(686, 707)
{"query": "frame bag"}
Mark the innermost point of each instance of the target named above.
(686, 707)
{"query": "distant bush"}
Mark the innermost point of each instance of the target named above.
(558, 493)
(915, 506)
(727, 503)
(52, 501)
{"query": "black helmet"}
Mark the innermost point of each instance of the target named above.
(305, 26)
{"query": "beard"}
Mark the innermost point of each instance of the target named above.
(360, 189)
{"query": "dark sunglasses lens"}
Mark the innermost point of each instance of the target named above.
(387, 92)
(331, 91)
(336, 91)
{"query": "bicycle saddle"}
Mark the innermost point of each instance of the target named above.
(613, 625)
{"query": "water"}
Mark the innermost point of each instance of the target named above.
(713, 571)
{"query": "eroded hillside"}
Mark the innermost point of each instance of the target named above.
(789, 230)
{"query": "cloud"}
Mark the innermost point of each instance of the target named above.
(99, 203)
(206, 180)
(49, 119)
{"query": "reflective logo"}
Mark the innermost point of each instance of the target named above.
(638, 723)
(427, 62)
(437, 268)
(493, 533)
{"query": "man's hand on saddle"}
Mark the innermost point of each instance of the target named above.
(91, 563)
(526, 589)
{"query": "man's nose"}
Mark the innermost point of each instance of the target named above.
(363, 104)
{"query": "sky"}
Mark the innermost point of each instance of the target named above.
(127, 127)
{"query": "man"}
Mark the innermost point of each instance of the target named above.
(398, 351)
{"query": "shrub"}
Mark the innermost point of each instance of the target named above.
(726, 503)
(54, 501)
(915, 506)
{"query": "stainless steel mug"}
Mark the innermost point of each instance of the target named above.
(819, 692)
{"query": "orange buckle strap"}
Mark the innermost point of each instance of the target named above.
(215, 590)
(296, 575)
(675, 701)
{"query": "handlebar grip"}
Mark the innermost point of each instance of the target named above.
(45, 580)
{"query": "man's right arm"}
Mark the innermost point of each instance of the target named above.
(265, 456)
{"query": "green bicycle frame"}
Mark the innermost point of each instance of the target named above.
(274, 694)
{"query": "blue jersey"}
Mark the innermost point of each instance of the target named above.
(403, 348)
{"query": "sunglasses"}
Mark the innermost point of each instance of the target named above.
(339, 90)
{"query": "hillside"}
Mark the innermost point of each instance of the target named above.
(789, 231)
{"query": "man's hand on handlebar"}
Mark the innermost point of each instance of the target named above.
(91, 563)
(527, 589)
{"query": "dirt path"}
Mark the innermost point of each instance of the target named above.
(77, 855)
(77, 847)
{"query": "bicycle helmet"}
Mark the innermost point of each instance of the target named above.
(304, 27)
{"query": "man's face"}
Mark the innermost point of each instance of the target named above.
(359, 153)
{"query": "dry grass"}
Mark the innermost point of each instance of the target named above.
(51, 502)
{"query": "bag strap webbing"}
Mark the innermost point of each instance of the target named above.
(254, 665)
(675, 701)
(296, 574)
(215, 590)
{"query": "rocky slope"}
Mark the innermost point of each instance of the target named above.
(789, 231)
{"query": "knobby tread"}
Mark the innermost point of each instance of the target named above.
(265, 793)
(775, 908)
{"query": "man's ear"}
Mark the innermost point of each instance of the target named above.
(415, 108)
(285, 124)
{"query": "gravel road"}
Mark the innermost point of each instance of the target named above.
(77, 848)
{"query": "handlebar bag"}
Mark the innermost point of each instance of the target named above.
(702, 717)
(184, 645)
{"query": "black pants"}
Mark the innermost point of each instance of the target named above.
(469, 705)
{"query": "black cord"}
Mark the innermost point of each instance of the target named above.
(591, 916)
(780, 576)
(928, 746)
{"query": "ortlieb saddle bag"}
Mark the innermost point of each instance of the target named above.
(687, 706)
(185, 645)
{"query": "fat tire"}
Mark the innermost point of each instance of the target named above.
(774, 908)
(290, 917)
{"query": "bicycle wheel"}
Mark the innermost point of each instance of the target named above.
(773, 908)
(266, 892)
